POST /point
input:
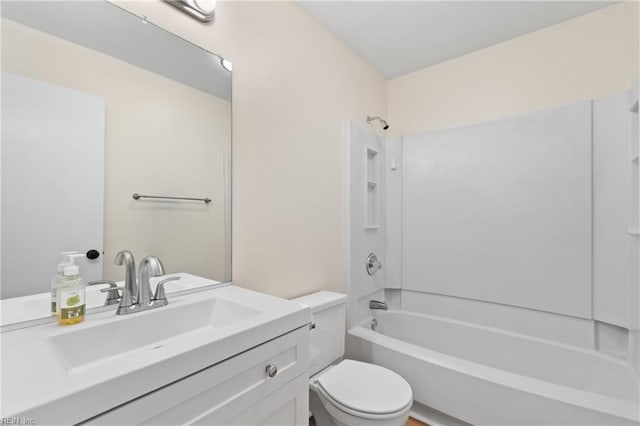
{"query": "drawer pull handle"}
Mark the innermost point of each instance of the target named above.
(271, 370)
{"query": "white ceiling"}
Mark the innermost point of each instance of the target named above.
(398, 37)
(102, 26)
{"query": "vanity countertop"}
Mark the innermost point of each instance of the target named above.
(45, 379)
(17, 310)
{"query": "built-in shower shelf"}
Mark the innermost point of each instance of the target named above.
(372, 205)
(634, 171)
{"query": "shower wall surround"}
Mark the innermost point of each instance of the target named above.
(615, 210)
(500, 211)
(365, 197)
(526, 223)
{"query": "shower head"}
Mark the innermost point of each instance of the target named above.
(382, 121)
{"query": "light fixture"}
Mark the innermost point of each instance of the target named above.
(226, 64)
(202, 10)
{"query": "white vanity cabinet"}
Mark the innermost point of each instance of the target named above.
(238, 390)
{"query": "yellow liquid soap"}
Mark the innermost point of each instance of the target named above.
(70, 321)
(70, 298)
(72, 308)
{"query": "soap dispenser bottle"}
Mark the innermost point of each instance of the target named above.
(71, 294)
(58, 278)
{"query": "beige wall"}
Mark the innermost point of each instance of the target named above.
(584, 58)
(162, 137)
(293, 85)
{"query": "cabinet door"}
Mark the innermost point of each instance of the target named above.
(287, 406)
(220, 392)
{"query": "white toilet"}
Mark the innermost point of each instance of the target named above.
(343, 391)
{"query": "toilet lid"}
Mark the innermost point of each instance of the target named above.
(366, 388)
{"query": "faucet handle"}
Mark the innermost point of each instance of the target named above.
(126, 300)
(112, 290)
(161, 297)
(112, 284)
(373, 264)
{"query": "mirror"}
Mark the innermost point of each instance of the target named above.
(98, 105)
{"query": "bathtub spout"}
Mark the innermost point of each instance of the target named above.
(376, 304)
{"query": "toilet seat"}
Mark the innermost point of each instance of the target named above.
(365, 390)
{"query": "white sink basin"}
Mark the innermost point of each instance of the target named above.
(146, 331)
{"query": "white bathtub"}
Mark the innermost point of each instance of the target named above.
(488, 376)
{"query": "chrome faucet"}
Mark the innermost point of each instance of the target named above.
(149, 267)
(376, 304)
(130, 287)
(137, 297)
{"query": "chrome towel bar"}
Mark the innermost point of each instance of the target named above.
(137, 196)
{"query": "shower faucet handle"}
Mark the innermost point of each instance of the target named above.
(373, 264)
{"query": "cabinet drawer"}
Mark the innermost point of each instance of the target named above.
(222, 390)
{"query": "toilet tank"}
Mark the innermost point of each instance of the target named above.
(328, 328)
